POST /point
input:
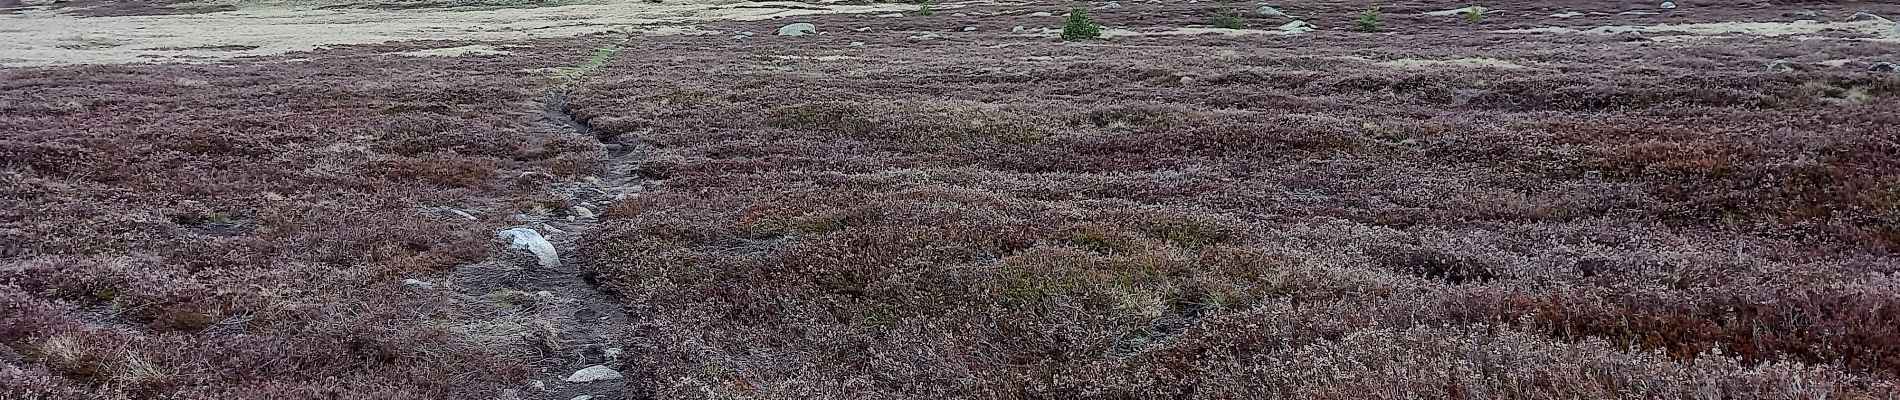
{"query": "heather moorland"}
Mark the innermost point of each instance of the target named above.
(1342, 199)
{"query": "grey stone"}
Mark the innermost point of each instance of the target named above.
(1782, 66)
(1667, 5)
(1041, 14)
(1111, 5)
(969, 29)
(798, 29)
(1884, 67)
(594, 373)
(1566, 14)
(1272, 12)
(1297, 27)
(528, 239)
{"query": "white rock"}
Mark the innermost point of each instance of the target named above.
(1297, 27)
(1272, 12)
(583, 212)
(959, 15)
(1041, 14)
(1018, 28)
(1111, 5)
(594, 373)
(1566, 14)
(463, 214)
(856, 44)
(583, 397)
(969, 29)
(1668, 5)
(37, 2)
(528, 239)
(798, 29)
(418, 283)
(863, 29)
(892, 15)
(1460, 11)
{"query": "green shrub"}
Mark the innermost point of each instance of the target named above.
(1228, 17)
(1080, 26)
(1474, 14)
(1369, 21)
(924, 10)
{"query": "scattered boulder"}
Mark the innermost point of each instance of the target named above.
(1781, 66)
(1272, 12)
(856, 44)
(863, 29)
(798, 29)
(959, 15)
(969, 29)
(1667, 5)
(1041, 14)
(594, 373)
(1017, 29)
(1298, 27)
(1884, 67)
(1570, 14)
(1110, 6)
(528, 239)
(418, 283)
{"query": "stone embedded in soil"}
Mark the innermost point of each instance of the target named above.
(533, 242)
(594, 373)
(1668, 5)
(1041, 14)
(1297, 27)
(797, 29)
(1272, 12)
(1782, 66)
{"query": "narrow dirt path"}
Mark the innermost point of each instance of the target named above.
(575, 323)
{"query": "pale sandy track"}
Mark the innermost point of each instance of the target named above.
(45, 38)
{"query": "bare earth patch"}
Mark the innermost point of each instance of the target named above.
(42, 39)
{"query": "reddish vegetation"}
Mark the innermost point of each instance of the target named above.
(946, 218)
(241, 231)
(989, 216)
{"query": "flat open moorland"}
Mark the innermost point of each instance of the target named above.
(497, 199)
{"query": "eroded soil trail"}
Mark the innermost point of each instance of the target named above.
(578, 324)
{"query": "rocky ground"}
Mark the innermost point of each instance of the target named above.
(621, 200)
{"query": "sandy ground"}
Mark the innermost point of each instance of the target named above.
(1884, 31)
(45, 38)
